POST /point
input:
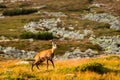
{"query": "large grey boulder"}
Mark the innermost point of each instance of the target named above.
(12, 52)
(76, 53)
(104, 17)
(110, 44)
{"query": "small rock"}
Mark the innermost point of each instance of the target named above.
(22, 62)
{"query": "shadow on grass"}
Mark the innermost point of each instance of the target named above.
(115, 71)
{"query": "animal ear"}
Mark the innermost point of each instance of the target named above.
(53, 42)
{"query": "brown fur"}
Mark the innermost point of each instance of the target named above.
(44, 55)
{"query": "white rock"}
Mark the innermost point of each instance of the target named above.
(52, 26)
(22, 62)
(104, 17)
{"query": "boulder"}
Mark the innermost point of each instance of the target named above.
(104, 17)
(109, 43)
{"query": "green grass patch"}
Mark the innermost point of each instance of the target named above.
(102, 26)
(25, 4)
(13, 26)
(20, 11)
(40, 35)
(67, 5)
(106, 32)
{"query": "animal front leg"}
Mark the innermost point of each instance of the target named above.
(52, 63)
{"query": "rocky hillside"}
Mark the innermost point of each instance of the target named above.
(82, 28)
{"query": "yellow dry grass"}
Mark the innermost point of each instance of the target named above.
(10, 71)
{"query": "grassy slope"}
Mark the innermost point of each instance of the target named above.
(15, 23)
(13, 26)
(9, 70)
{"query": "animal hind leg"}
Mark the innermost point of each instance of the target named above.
(47, 64)
(37, 66)
(38, 63)
(32, 66)
(35, 63)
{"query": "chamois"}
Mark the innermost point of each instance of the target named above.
(44, 55)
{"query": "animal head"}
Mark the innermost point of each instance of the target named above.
(54, 46)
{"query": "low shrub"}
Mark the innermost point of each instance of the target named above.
(27, 35)
(14, 12)
(95, 67)
(39, 36)
(2, 6)
(102, 26)
(90, 1)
